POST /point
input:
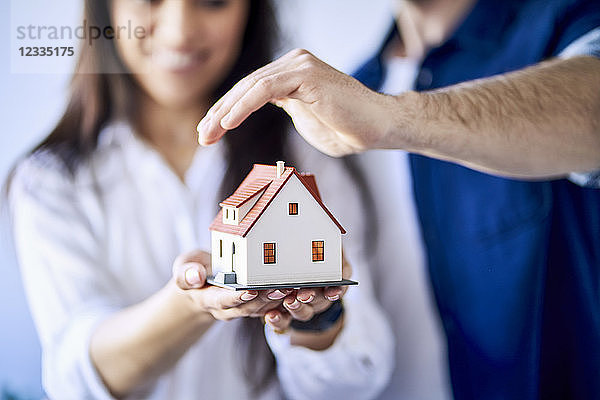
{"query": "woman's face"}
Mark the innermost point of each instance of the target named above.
(187, 49)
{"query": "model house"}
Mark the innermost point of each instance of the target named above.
(274, 229)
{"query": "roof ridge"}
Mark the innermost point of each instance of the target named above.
(272, 187)
(317, 197)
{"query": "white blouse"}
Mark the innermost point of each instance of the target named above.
(106, 239)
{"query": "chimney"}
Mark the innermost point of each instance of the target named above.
(280, 168)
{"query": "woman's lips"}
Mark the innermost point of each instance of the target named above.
(177, 61)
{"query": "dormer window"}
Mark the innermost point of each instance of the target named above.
(230, 215)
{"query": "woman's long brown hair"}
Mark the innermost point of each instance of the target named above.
(97, 98)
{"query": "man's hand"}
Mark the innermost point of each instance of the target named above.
(538, 122)
(331, 110)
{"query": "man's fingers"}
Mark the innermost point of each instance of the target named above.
(275, 86)
(286, 63)
(209, 129)
(241, 87)
(241, 102)
(276, 80)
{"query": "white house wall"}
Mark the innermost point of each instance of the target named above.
(225, 263)
(243, 210)
(293, 235)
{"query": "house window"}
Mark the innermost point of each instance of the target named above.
(269, 253)
(293, 209)
(232, 256)
(318, 250)
(221, 248)
(227, 213)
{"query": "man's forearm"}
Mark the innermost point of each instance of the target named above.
(541, 121)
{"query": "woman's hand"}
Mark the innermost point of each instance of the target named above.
(189, 273)
(304, 303)
(331, 110)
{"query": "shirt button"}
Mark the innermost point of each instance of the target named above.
(425, 78)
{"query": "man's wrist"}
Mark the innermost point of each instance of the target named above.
(401, 123)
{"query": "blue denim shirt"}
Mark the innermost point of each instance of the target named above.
(515, 265)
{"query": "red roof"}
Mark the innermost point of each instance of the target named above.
(311, 182)
(263, 177)
(246, 192)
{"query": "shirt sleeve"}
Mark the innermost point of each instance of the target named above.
(587, 45)
(358, 365)
(59, 255)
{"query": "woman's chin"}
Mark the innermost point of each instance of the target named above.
(179, 99)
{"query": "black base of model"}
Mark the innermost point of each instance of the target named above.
(237, 286)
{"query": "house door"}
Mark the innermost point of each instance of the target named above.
(232, 257)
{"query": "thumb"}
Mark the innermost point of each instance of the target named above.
(190, 275)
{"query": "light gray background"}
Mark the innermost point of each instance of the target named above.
(340, 32)
(29, 105)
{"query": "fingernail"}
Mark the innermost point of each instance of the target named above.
(201, 137)
(276, 295)
(201, 125)
(274, 318)
(306, 299)
(294, 305)
(206, 140)
(333, 298)
(247, 296)
(192, 277)
(225, 121)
